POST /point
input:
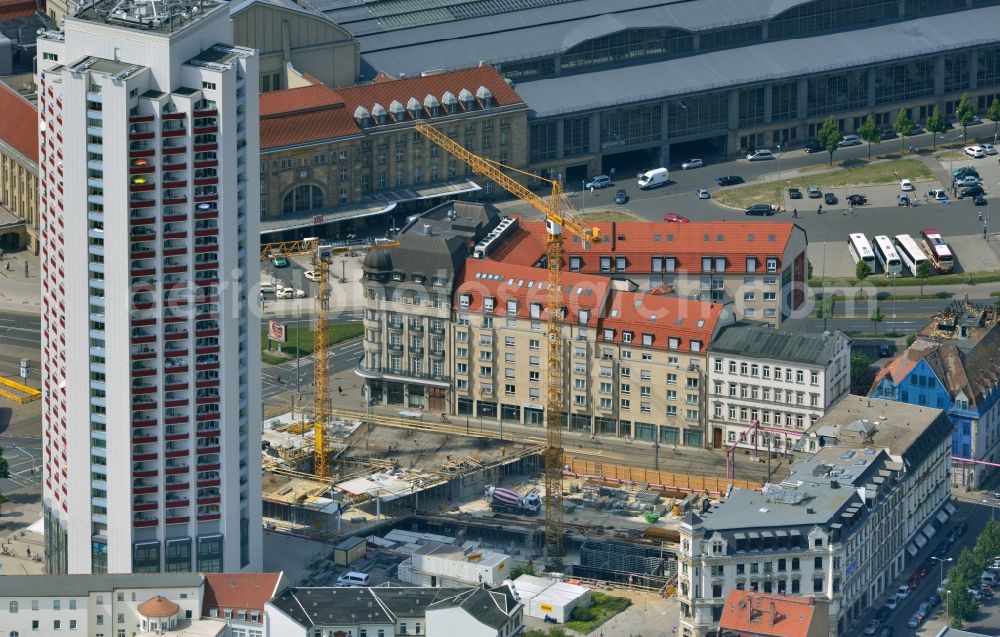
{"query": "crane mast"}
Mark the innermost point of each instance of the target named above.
(558, 216)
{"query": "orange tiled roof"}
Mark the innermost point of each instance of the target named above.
(764, 615)
(238, 591)
(663, 317)
(19, 125)
(686, 242)
(899, 367)
(330, 114)
(158, 607)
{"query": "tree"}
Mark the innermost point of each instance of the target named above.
(862, 374)
(964, 113)
(825, 308)
(923, 271)
(524, 569)
(876, 316)
(903, 126)
(4, 469)
(829, 136)
(862, 270)
(870, 132)
(993, 113)
(936, 124)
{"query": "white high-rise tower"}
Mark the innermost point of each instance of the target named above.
(149, 215)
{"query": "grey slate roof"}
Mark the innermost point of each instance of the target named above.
(491, 607)
(767, 61)
(320, 606)
(764, 343)
(83, 585)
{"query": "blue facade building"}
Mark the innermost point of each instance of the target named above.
(962, 381)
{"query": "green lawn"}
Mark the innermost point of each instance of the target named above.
(604, 607)
(336, 333)
(853, 173)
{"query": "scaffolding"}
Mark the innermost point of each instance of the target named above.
(625, 563)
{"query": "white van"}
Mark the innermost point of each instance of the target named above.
(758, 155)
(653, 178)
(353, 579)
(989, 577)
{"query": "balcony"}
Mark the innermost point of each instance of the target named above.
(141, 152)
(143, 337)
(176, 503)
(177, 183)
(177, 486)
(205, 130)
(139, 119)
(173, 150)
(136, 137)
(137, 202)
(183, 519)
(144, 506)
(144, 473)
(144, 522)
(175, 335)
(208, 112)
(141, 219)
(143, 389)
(175, 132)
(210, 163)
(214, 449)
(173, 471)
(173, 116)
(176, 453)
(143, 371)
(210, 500)
(144, 490)
(142, 440)
(170, 199)
(140, 423)
(208, 516)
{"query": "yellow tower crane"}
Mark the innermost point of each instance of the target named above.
(559, 215)
(320, 255)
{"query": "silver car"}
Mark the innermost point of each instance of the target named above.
(692, 163)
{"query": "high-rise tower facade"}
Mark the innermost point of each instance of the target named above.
(149, 216)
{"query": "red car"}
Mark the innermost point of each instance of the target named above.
(675, 218)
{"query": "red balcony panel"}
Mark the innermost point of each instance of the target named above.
(201, 148)
(208, 433)
(140, 203)
(211, 163)
(143, 355)
(201, 384)
(142, 306)
(212, 332)
(176, 150)
(206, 214)
(177, 132)
(183, 519)
(175, 336)
(148, 152)
(173, 471)
(144, 406)
(176, 386)
(143, 523)
(173, 201)
(142, 440)
(176, 369)
(141, 187)
(174, 319)
(139, 423)
(176, 453)
(209, 483)
(208, 517)
(177, 163)
(178, 217)
(207, 113)
(143, 457)
(142, 221)
(207, 400)
(143, 322)
(141, 170)
(142, 237)
(143, 253)
(214, 449)
(149, 473)
(212, 416)
(175, 403)
(175, 184)
(144, 390)
(175, 235)
(207, 181)
(204, 367)
(205, 130)
(138, 119)
(200, 281)
(179, 503)
(135, 137)
(210, 265)
(174, 252)
(139, 340)
(212, 500)
(177, 436)
(144, 490)
(173, 269)
(207, 232)
(175, 420)
(143, 271)
(208, 467)
(173, 116)
(205, 198)
(208, 248)
(145, 506)
(177, 487)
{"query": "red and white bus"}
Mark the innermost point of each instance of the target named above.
(937, 251)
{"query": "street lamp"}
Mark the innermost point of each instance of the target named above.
(583, 196)
(779, 162)
(994, 504)
(941, 561)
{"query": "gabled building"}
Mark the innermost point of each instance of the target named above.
(962, 378)
(748, 614)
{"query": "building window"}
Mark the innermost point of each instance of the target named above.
(301, 199)
(13, 607)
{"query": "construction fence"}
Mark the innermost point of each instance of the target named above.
(18, 392)
(661, 479)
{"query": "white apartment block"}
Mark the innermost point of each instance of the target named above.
(841, 527)
(149, 219)
(782, 381)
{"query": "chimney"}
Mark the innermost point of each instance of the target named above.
(774, 614)
(427, 228)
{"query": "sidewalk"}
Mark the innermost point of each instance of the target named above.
(17, 292)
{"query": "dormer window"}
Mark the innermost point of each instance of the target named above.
(432, 105)
(511, 308)
(487, 304)
(450, 103)
(584, 316)
(414, 108)
(464, 300)
(484, 96)
(378, 114)
(465, 97)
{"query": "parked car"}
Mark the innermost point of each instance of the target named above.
(979, 200)
(730, 180)
(704, 194)
(290, 293)
(934, 600)
(814, 192)
(849, 140)
(903, 592)
(759, 155)
(924, 610)
(692, 163)
(892, 603)
(978, 596)
(760, 210)
(965, 170)
(621, 197)
(903, 200)
(279, 262)
(886, 631)
(976, 152)
(938, 194)
(914, 621)
(967, 180)
(857, 200)
(989, 148)
(882, 614)
(913, 581)
(872, 627)
(830, 199)
(312, 275)
(673, 217)
(943, 586)
(889, 133)
(905, 185)
(601, 181)
(794, 193)
(971, 191)
(917, 130)
(814, 147)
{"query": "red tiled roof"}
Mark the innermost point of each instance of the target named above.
(282, 124)
(686, 242)
(762, 615)
(158, 607)
(899, 367)
(19, 124)
(664, 317)
(239, 591)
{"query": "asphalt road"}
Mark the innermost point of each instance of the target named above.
(278, 379)
(24, 461)
(679, 195)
